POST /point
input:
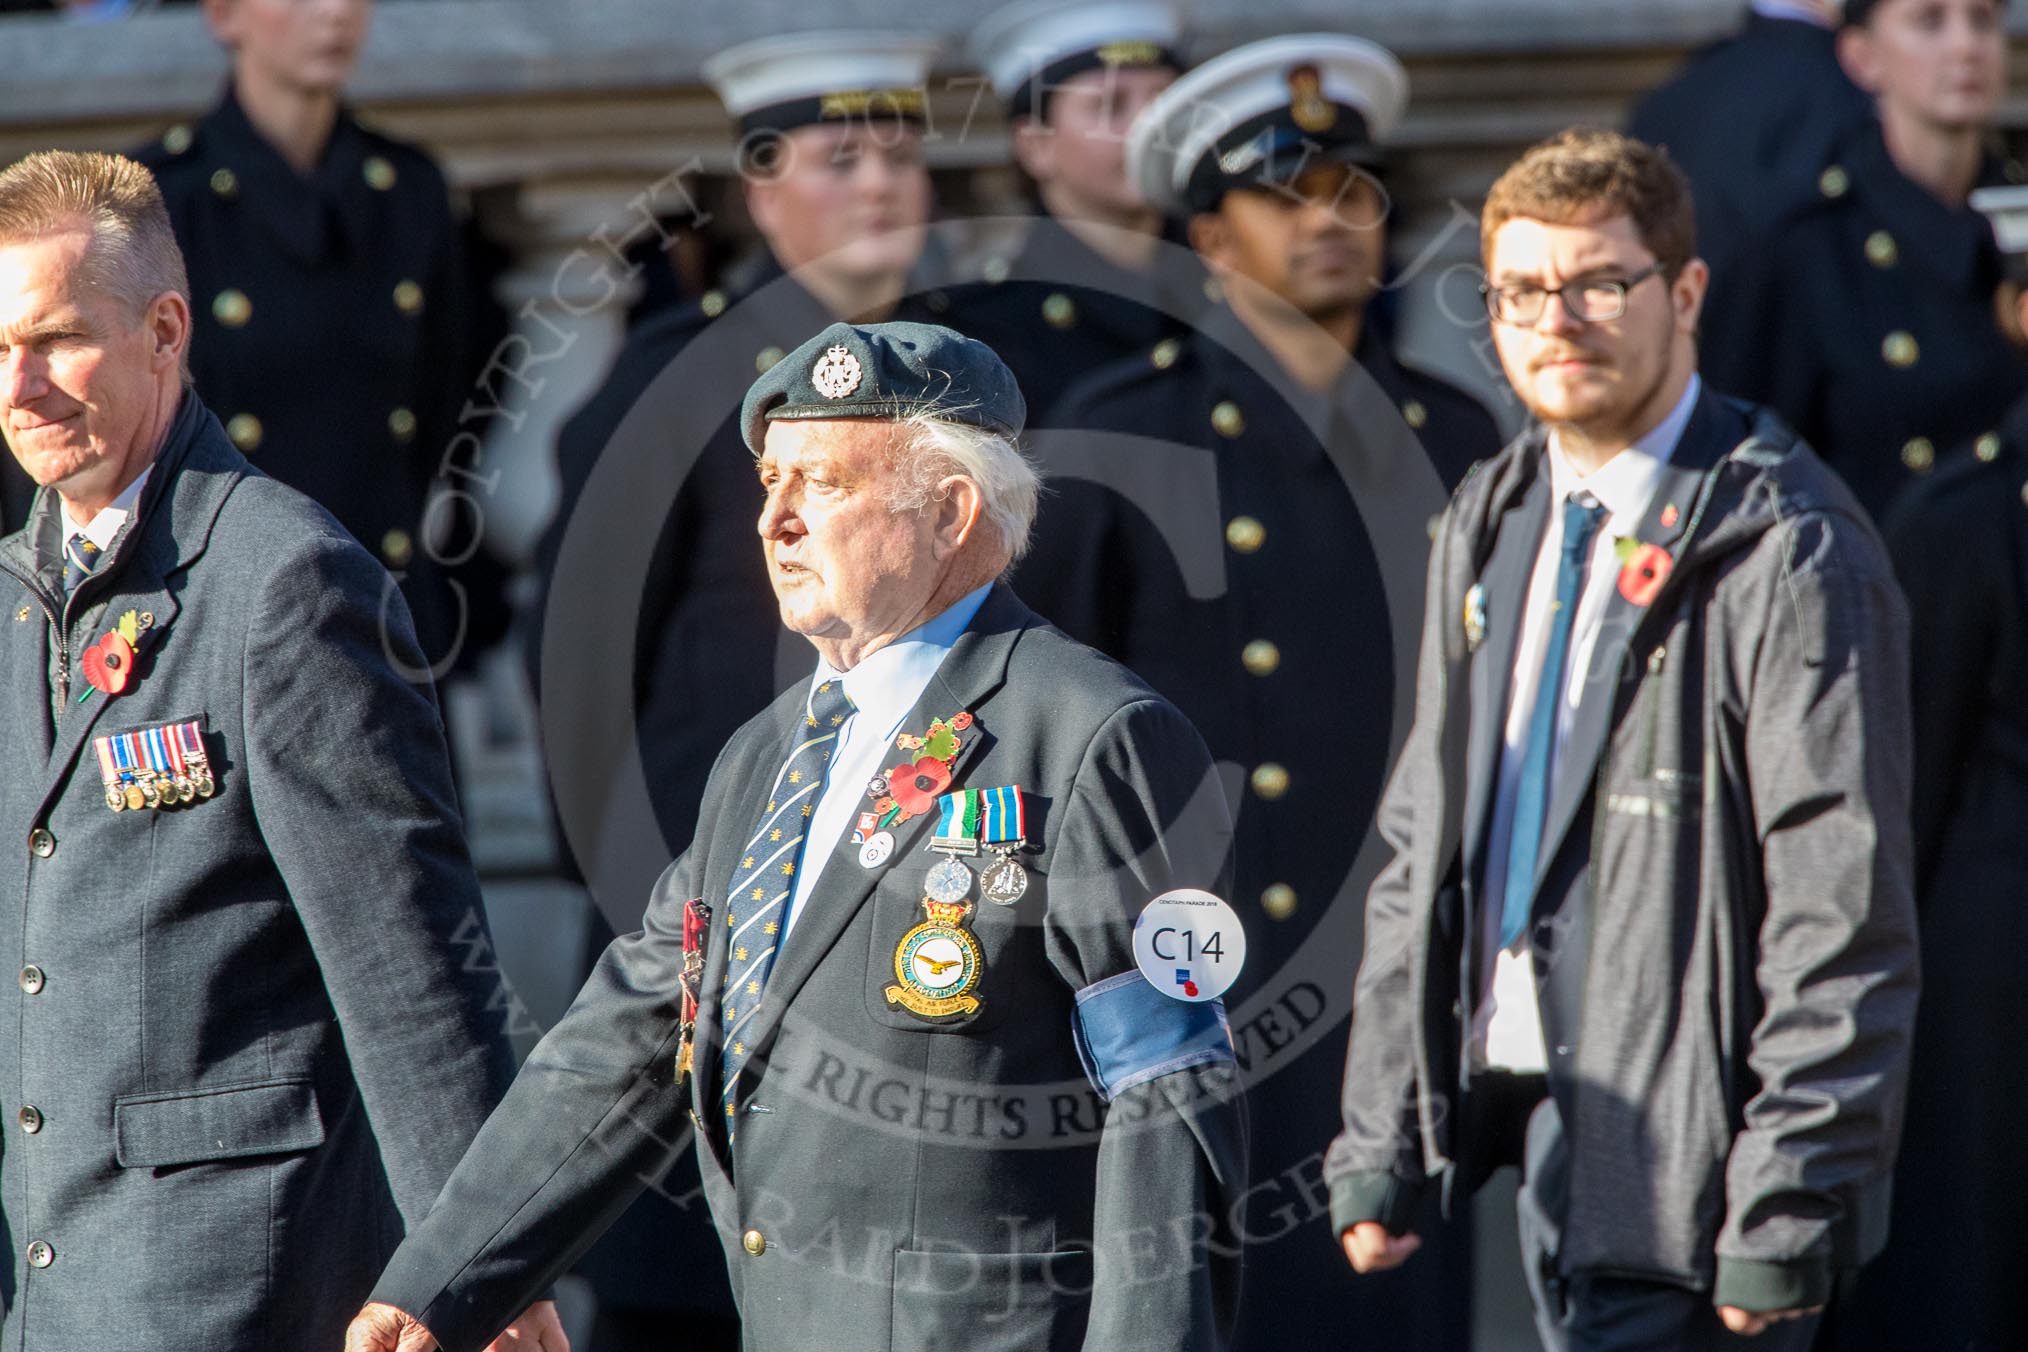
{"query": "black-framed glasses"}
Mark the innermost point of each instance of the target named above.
(1591, 301)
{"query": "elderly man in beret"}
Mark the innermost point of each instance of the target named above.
(934, 1107)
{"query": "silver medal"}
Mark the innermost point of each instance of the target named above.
(1005, 883)
(949, 881)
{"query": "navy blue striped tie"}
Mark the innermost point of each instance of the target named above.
(1531, 797)
(80, 556)
(766, 874)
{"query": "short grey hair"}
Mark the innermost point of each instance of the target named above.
(928, 448)
(134, 256)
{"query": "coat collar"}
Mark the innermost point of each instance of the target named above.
(1954, 244)
(314, 216)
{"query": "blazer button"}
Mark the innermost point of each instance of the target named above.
(32, 979)
(31, 1119)
(1269, 780)
(1279, 901)
(40, 843)
(40, 1255)
(754, 1242)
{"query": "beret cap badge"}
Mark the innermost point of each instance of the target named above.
(836, 373)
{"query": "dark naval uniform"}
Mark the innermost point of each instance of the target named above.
(1949, 1276)
(331, 324)
(1200, 530)
(1753, 120)
(1056, 310)
(1876, 336)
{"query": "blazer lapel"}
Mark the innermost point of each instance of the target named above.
(1713, 431)
(1505, 579)
(975, 668)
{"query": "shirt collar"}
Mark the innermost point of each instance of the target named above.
(886, 685)
(1626, 483)
(107, 523)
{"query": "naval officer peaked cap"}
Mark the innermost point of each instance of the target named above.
(886, 371)
(1261, 113)
(1028, 49)
(799, 79)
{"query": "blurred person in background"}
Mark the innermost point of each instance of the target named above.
(1950, 1277)
(334, 314)
(1876, 333)
(1752, 119)
(1284, 450)
(1088, 282)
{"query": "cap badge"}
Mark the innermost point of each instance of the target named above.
(1245, 155)
(1308, 108)
(836, 373)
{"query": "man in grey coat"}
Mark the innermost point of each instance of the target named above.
(256, 1018)
(1648, 930)
(933, 1109)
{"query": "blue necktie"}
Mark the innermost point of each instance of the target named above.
(80, 556)
(766, 874)
(1531, 796)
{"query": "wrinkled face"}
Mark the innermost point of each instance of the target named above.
(1318, 241)
(80, 378)
(843, 563)
(1080, 151)
(1598, 372)
(1940, 61)
(302, 44)
(850, 196)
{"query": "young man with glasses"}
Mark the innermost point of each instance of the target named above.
(1647, 932)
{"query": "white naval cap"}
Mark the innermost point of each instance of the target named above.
(795, 79)
(1264, 110)
(1028, 48)
(2007, 210)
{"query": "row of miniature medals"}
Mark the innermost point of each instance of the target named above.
(938, 964)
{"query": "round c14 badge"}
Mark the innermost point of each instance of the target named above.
(1189, 945)
(874, 852)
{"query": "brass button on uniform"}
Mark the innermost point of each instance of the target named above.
(1245, 534)
(1919, 455)
(231, 308)
(766, 358)
(225, 183)
(1881, 251)
(754, 1242)
(408, 296)
(1834, 181)
(32, 980)
(1227, 420)
(401, 423)
(1059, 311)
(379, 173)
(31, 1118)
(713, 304)
(1165, 354)
(396, 548)
(1260, 657)
(40, 843)
(178, 138)
(40, 1255)
(1900, 348)
(1279, 901)
(1415, 415)
(1269, 780)
(995, 269)
(246, 432)
(1987, 447)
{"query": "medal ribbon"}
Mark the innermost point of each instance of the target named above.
(109, 769)
(957, 819)
(1003, 816)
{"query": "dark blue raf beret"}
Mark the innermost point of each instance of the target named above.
(886, 371)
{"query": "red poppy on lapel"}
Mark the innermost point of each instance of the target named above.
(109, 663)
(1644, 572)
(915, 787)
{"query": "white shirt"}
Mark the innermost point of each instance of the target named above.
(883, 688)
(107, 523)
(1507, 1027)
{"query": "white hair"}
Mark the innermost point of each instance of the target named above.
(930, 446)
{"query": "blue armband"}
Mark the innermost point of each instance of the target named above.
(1128, 1033)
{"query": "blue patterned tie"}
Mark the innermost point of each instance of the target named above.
(767, 872)
(1531, 797)
(80, 556)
